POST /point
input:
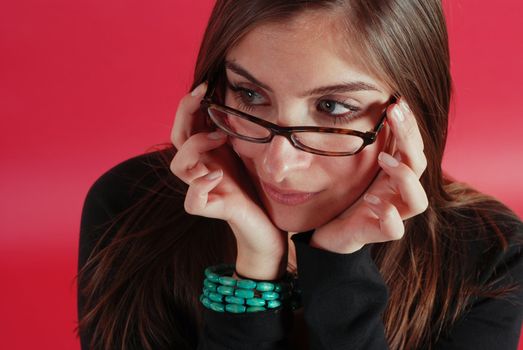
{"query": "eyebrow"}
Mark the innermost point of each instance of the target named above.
(236, 68)
(323, 90)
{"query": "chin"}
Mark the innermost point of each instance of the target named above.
(297, 222)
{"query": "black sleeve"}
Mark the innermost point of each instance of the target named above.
(493, 323)
(343, 297)
(266, 330)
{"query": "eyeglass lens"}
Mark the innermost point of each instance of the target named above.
(326, 142)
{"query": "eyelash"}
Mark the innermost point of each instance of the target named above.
(240, 99)
(238, 95)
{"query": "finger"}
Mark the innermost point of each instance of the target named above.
(409, 143)
(187, 119)
(390, 223)
(405, 182)
(198, 201)
(187, 164)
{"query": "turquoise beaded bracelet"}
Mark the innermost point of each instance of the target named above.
(223, 293)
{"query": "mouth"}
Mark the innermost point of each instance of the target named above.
(287, 197)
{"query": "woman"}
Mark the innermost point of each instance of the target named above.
(308, 155)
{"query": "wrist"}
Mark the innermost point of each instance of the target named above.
(323, 240)
(266, 268)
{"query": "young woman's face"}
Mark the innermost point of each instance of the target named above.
(276, 72)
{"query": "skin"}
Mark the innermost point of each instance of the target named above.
(342, 219)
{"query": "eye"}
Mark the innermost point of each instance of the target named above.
(247, 96)
(336, 108)
(250, 96)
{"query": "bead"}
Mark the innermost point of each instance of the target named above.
(231, 299)
(272, 304)
(217, 307)
(213, 273)
(246, 284)
(255, 302)
(227, 281)
(270, 295)
(215, 297)
(206, 302)
(225, 290)
(255, 308)
(244, 293)
(209, 285)
(211, 276)
(264, 286)
(235, 308)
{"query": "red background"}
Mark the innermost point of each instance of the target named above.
(85, 85)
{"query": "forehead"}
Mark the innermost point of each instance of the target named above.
(310, 48)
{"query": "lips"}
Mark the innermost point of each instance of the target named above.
(287, 197)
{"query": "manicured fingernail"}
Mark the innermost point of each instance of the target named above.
(398, 156)
(372, 199)
(199, 90)
(216, 135)
(398, 113)
(214, 175)
(388, 159)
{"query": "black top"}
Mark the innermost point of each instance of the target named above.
(343, 295)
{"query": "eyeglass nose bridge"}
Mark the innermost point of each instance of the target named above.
(286, 133)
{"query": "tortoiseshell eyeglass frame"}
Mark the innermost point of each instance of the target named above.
(369, 137)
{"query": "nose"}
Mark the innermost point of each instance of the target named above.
(281, 158)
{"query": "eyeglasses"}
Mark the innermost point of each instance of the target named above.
(323, 141)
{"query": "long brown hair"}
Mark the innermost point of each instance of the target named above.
(141, 283)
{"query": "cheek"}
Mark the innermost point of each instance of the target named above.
(349, 174)
(246, 150)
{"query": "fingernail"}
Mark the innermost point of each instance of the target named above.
(371, 198)
(214, 175)
(216, 135)
(199, 90)
(398, 156)
(398, 113)
(388, 159)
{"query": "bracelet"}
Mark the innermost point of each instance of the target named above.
(253, 279)
(223, 293)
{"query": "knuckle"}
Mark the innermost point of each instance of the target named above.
(423, 161)
(187, 206)
(190, 205)
(387, 212)
(424, 205)
(410, 179)
(174, 166)
(398, 234)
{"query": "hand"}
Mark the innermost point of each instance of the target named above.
(395, 195)
(220, 188)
